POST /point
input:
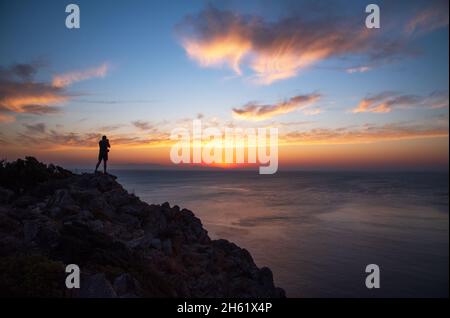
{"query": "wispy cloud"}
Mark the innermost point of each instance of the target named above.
(143, 125)
(110, 127)
(254, 111)
(20, 93)
(5, 118)
(277, 50)
(366, 134)
(387, 101)
(430, 18)
(55, 139)
(358, 69)
(63, 80)
(39, 128)
(113, 102)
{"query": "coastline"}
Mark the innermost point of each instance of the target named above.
(51, 217)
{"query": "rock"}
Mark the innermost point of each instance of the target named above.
(156, 243)
(96, 286)
(61, 198)
(86, 215)
(30, 230)
(55, 211)
(126, 286)
(36, 210)
(5, 195)
(167, 247)
(24, 201)
(140, 242)
(165, 206)
(130, 209)
(91, 221)
(96, 225)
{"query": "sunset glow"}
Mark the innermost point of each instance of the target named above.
(340, 95)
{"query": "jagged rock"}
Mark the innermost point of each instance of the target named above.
(61, 198)
(126, 286)
(5, 195)
(145, 250)
(96, 286)
(24, 201)
(55, 211)
(96, 225)
(30, 230)
(140, 242)
(167, 247)
(86, 215)
(156, 243)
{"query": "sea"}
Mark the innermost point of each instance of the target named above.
(318, 231)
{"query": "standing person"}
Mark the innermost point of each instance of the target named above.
(103, 153)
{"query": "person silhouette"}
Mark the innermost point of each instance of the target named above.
(104, 146)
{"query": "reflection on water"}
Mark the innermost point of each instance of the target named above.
(318, 230)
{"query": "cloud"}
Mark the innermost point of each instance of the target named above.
(312, 111)
(29, 97)
(53, 139)
(66, 79)
(429, 19)
(113, 102)
(19, 71)
(256, 112)
(20, 93)
(110, 127)
(4, 118)
(280, 49)
(366, 134)
(143, 125)
(358, 69)
(39, 128)
(387, 101)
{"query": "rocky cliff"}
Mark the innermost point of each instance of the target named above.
(50, 217)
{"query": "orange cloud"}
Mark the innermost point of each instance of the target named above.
(19, 104)
(19, 93)
(38, 134)
(229, 49)
(256, 112)
(4, 118)
(387, 101)
(278, 50)
(364, 134)
(66, 79)
(29, 97)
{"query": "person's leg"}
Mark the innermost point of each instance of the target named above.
(104, 166)
(98, 164)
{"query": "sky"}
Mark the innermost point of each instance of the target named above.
(340, 94)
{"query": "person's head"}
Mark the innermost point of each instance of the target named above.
(104, 138)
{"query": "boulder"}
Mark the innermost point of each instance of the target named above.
(126, 286)
(167, 247)
(156, 243)
(96, 286)
(5, 195)
(30, 230)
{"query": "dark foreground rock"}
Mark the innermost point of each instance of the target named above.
(50, 217)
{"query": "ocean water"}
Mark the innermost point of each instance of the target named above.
(317, 231)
